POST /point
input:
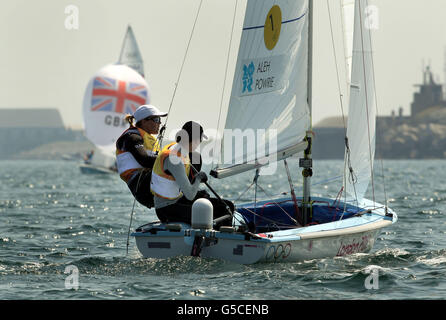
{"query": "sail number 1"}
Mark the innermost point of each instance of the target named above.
(273, 25)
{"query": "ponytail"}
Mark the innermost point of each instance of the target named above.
(129, 118)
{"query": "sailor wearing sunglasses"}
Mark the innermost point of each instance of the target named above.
(136, 151)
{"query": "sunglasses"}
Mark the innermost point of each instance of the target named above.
(156, 120)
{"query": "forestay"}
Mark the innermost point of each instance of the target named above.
(362, 108)
(270, 88)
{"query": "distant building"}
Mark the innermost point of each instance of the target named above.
(330, 132)
(383, 122)
(25, 129)
(30, 118)
(430, 94)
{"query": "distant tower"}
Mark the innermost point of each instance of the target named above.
(430, 93)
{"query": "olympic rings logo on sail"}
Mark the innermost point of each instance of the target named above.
(279, 252)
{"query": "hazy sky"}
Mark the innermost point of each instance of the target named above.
(43, 64)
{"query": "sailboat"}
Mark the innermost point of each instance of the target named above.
(130, 53)
(114, 91)
(272, 89)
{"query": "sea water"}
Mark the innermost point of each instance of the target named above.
(63, 235)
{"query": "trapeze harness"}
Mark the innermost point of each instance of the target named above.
(163, 184)
(126, 163)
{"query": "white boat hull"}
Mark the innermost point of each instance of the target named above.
(254, 251)
(340, 238)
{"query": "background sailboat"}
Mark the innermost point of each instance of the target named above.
(272, 92)
(130, 54)
(112, 92)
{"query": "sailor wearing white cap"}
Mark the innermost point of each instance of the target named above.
(147, 111)
(136, 151)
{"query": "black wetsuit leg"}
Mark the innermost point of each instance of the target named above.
(140, 188)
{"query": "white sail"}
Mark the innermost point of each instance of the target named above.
(348, 17)
(362, 109)
(130, 54)
(270, 86)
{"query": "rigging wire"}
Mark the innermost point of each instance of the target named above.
(256, 178)
(130, 226)
(255, 181)
(246, 190)
(163, 128)
(337, 69)
(133, 210)
(225, 77)
(293, 195)
(376, 105)
(268, 219)
(161, 135)
(347, 159)
(274, 202)
(284, 193)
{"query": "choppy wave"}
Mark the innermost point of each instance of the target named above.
(70, 219)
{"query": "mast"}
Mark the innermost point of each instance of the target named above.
(310, 61)
(306, 162)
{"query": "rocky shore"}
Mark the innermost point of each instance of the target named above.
(420, 137)
(413, 141)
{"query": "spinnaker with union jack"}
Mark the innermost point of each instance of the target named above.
(114, 91)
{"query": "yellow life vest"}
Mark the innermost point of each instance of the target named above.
(151, 144)
(126, 163)
(164, 185)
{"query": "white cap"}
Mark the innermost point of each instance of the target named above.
(147, 110)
